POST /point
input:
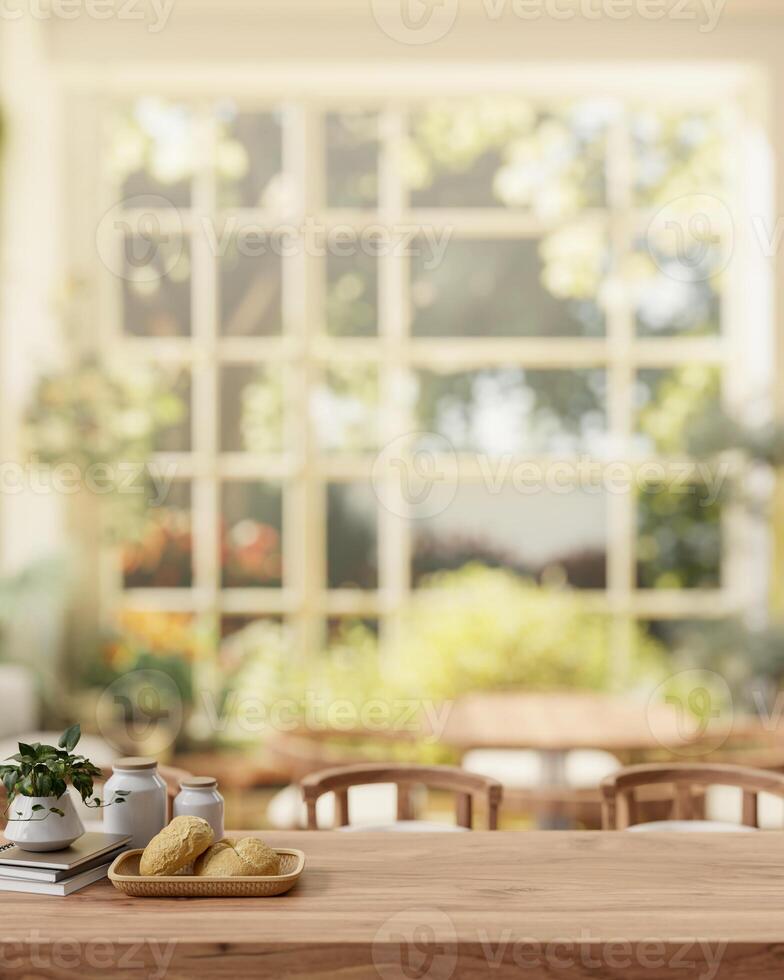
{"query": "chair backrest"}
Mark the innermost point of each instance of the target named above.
(620, 802)
(464, 784)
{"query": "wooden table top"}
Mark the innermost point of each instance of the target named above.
(440, 906)
(574, 720)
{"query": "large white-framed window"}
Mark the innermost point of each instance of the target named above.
(393, 353)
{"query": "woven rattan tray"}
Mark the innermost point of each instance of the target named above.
(124, 874)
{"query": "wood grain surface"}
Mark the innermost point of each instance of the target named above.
(435, 906)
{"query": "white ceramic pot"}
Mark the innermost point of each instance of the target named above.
(42, 830)
(143, 814)
(199, 797)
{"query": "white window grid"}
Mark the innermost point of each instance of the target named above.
(304, 348)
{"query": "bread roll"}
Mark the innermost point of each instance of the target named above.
(238, 858)
(176, 846)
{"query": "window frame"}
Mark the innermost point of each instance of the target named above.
(309, 91)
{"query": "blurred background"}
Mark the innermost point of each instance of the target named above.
(361, 358)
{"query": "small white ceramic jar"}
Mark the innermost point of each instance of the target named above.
(199, 797)
(143, 814)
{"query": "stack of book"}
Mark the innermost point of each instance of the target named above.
(59, 872)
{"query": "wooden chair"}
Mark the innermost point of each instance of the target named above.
(467, 786)
(620, 792)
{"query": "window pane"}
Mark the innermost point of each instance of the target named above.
(151, 149)
(352, 536)
(504, 152)
(507, 288)
(352, 294)
(176, 438)
(249, 160)
(250, 290)
(556, 538)
(251, 408)
(156, 286)
(231, 625)
(348, 633)
(672, 403)
(352, 159)
(677, 153)
(251, 553)
(500, 410)
(675, 283)
(679, 543)
(691, 639)
(344, 408)
(160, 556)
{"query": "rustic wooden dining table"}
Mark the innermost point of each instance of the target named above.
(439, 906)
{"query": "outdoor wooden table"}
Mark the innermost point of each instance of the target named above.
(559, 722)
(559, 904)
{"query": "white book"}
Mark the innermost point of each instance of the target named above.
(83, 851)
(66, 887)
(31, 873)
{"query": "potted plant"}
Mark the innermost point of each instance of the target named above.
(40, 813)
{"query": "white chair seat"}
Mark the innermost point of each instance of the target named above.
(515, 768)
(408, 827)
(586, 768)
(690, 827)
(526, 768)
(725, 803)
(374, 804)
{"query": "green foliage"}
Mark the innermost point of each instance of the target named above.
(679, 540)
(43, 770)
(487, 629)
(91, 417)
(469, 630)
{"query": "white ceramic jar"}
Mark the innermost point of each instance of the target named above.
(143, 814)
(199, 797)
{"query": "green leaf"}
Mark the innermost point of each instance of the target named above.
(10, 779)
(54, 809)
(37, 807)
(25, 751)
(70, 737)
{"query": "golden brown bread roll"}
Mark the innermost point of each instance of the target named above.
(238, 858)
(176, 845)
